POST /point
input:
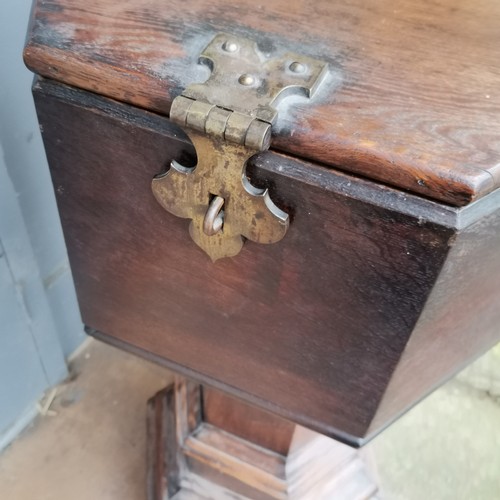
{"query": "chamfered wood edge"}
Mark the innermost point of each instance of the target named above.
(336, 434)
(348, 184)
(97, 68)
(461, 319)
(374, 431)
(45, 61)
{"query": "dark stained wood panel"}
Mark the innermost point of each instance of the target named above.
(461, 320)
(413, 101)
(310, 328)
(247, 421)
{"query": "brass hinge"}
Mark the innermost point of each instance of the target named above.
(229, 119)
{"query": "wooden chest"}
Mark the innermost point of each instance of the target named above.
(387, 280)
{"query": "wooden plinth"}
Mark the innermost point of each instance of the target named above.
(206, 445)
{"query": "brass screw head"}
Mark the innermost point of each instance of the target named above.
(297, 67)
(246, 80)
(229, 46)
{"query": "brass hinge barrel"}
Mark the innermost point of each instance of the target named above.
(227, 125)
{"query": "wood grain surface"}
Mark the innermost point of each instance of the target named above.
(311, 328)
(460, 322)
(412, 101)
(247, 421)
(210, 461)
(163, 467)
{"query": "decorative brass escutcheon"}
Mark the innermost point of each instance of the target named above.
(228, 118)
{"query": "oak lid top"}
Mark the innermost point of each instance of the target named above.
(413, 99)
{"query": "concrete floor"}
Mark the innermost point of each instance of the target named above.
(90, 444)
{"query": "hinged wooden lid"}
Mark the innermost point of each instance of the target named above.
(413, 98)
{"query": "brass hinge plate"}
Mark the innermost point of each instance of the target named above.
(229, 119)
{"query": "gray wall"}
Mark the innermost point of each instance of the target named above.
(39, 319)
(31, 357)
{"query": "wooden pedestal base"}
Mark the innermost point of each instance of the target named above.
(206, 445)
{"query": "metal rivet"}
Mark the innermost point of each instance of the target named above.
(230, 46)
(297, 67)
(246, 80)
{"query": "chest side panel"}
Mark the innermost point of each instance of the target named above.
(461, 319)
(311, 327)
